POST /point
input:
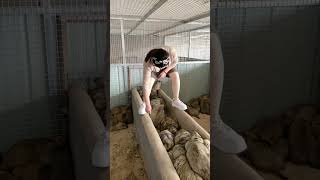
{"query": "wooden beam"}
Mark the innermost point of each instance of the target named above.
(185, 120)
(156, 159)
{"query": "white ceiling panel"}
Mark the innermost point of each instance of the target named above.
(181, 9)
(131, 7)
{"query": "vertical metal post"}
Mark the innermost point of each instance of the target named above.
(189, 34)
(29, 72)
(123, 43)
(96, 46)
(50, 48)
(314, 98)
(44, 50)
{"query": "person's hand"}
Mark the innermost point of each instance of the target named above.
(148, 108)
(162, 75)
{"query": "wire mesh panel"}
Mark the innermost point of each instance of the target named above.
(84, 56)
(45, 45)
(191, 46)
(200, 44)
(138, 26)
(269, 49)
(181, 42)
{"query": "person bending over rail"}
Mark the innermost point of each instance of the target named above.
(158, 64)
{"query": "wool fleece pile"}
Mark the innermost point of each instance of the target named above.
(188, 151)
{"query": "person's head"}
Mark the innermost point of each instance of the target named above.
(159, 57)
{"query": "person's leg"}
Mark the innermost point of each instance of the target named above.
(152, 80)
(175, 85)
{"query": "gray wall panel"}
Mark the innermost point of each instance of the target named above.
(269, 55)
(25, 111)
(22, 61)
(85, 49)
(136, 47)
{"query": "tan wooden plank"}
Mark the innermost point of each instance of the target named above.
(185, 120)
(156, 159)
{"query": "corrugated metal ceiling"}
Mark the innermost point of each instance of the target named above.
(167, 15)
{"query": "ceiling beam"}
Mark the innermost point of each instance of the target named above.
(193, 29)
(127, 18)
(153, 9)
(185, 21)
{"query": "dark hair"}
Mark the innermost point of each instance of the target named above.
(157, 53)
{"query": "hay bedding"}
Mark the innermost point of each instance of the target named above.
(189, 153)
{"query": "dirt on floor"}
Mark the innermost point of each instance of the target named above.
(204, 121)
(294, 172)
(126, 162)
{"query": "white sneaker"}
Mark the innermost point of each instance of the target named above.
(179, 104)
(226, 139)
(142, 109)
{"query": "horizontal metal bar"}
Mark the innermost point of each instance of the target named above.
(94, 18)
(140, 65)
(193, 29)
(185, 21)
(56, 10)
(270, 3)
(137, 18)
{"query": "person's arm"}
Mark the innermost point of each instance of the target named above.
(174, 59)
